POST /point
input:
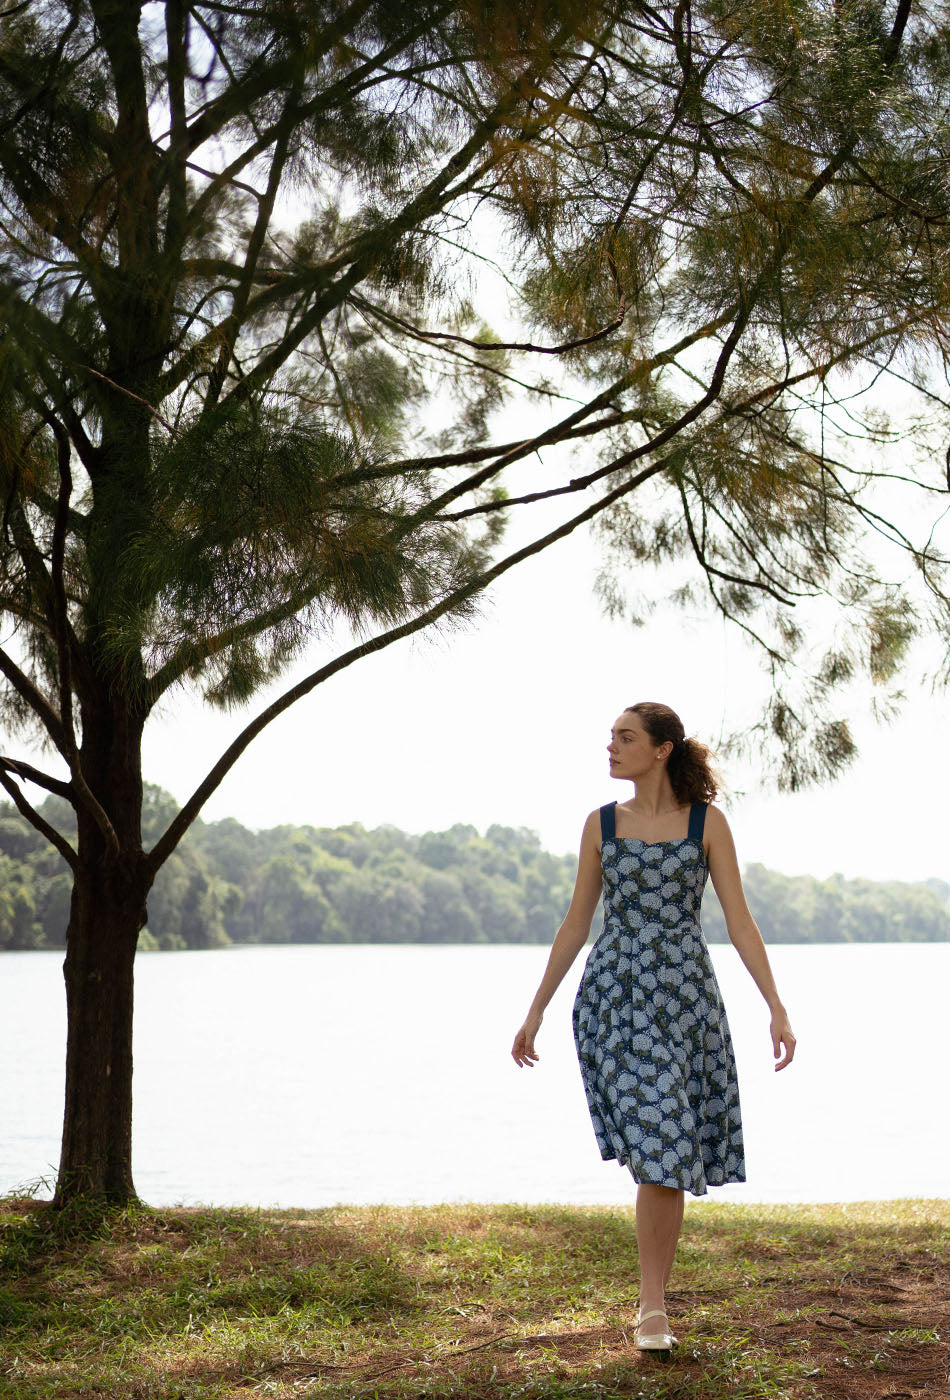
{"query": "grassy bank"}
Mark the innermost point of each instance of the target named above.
(826, 1301)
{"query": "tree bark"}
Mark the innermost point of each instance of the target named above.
(107, 912)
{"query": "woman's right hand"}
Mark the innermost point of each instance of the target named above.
(523, 1051)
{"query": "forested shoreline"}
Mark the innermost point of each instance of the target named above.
(228, 885)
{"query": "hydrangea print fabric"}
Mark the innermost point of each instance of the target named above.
(650, 1027)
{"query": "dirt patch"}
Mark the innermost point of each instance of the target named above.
(880, 1339)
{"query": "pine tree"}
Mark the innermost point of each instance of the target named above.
(236, 241)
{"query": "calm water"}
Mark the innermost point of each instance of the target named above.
(306, 1076)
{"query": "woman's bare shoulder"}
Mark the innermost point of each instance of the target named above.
(716, 821)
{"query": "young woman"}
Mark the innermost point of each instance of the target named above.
(650, 1027)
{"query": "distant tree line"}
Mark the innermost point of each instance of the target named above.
(801, 909)
(228, 885)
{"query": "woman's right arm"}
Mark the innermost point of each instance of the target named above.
(569, 940)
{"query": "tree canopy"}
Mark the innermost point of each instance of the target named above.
(241, 251)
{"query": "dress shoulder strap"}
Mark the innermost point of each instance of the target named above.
(608, 821)
(697, 820)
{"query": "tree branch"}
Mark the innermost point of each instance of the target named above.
(65, 639)
(711, 569)
(37, 702)
(229, 331)
(420, 334)
(261, 80)
(198, 134)
(176, 18)
(565, 428)
(54, 837)
(728, 410)
(37, 776)
(181, 822)
(364, 254)
(192, 653)
(478, 454)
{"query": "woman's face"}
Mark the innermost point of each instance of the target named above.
(632, 752)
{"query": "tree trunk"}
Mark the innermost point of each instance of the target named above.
(107, 913)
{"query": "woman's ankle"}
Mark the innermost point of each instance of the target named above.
(648, 1303)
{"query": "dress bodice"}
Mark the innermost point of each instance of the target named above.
(653, 882)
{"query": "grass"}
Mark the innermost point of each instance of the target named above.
(806, 1302)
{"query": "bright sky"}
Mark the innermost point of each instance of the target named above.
(508, 722)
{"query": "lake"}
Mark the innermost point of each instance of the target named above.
(307, 1076)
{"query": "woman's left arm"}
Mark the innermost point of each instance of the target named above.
(743, 930)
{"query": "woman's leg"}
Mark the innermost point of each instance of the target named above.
(674, 1236)
(659, 1217)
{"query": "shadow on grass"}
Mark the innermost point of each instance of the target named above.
(34, 1232)
(138, 1270)
(472, 1300)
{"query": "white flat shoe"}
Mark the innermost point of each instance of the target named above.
(654, 1341)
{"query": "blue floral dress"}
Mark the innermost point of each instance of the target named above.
(650, 1027)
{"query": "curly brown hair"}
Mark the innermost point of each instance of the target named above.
(689, 766)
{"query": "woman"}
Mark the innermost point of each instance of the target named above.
(650, 1028)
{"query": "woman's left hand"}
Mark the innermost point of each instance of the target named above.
(781, 1033)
